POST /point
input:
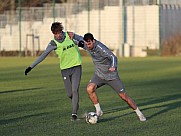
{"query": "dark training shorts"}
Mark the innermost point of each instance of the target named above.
(116, 84)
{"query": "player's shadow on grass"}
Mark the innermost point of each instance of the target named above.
(109, 111)
(19, 90)
(167, 107)
(102, 119)
(116, 109)
(18, 119)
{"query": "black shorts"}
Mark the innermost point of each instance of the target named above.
(116, 84)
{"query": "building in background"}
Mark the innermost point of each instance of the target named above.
(128, 27)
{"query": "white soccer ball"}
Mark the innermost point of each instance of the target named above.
(91, 118)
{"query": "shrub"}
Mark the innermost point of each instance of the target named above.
(171, 46)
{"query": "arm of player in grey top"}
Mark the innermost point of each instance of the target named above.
(78, 39)
(108, 53)
(51, 46)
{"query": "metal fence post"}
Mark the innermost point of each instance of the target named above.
(88, 15)
(19, 10)
(53, 10)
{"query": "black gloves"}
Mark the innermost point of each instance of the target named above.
(27, 70)
(81, 44)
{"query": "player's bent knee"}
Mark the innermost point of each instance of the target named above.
(91, 88)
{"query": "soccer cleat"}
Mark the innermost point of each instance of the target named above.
(142, 117)
(74, 117)
(99, 113)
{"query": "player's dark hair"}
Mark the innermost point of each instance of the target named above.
(56, 27)
(88, 36)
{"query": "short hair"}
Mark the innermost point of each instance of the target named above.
(56, 27)
(88, 36)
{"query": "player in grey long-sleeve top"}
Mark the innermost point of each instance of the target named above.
(70, 62)
(105, 63)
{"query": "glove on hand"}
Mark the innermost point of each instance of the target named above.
(27, 70)
(81, 44)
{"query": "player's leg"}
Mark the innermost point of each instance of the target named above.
(91, 87)
(76, 77)
(67, 82)
(67, 78)
(91, 90)
(133, 105)
(118, 86)
(128, 100)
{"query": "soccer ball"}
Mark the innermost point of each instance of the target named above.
(91, 118)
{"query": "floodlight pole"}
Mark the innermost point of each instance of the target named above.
(19, 11)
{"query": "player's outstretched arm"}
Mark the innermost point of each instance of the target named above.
(51, 46)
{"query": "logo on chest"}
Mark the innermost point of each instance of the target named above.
(68, 47)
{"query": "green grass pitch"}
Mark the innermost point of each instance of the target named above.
(37, 104)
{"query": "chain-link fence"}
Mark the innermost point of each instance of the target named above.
(128, 27)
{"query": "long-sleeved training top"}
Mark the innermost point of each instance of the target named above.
(103, 59)
(52, 46)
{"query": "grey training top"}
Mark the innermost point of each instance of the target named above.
(103, 59)
(52, 46)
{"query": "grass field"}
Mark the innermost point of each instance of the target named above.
(37, 104)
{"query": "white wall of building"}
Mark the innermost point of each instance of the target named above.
(142, 28)
(108, 34)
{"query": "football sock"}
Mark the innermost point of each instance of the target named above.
(97, 106)
(138, 112)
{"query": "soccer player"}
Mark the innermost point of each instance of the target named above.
(70, 62)
(106, 73)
